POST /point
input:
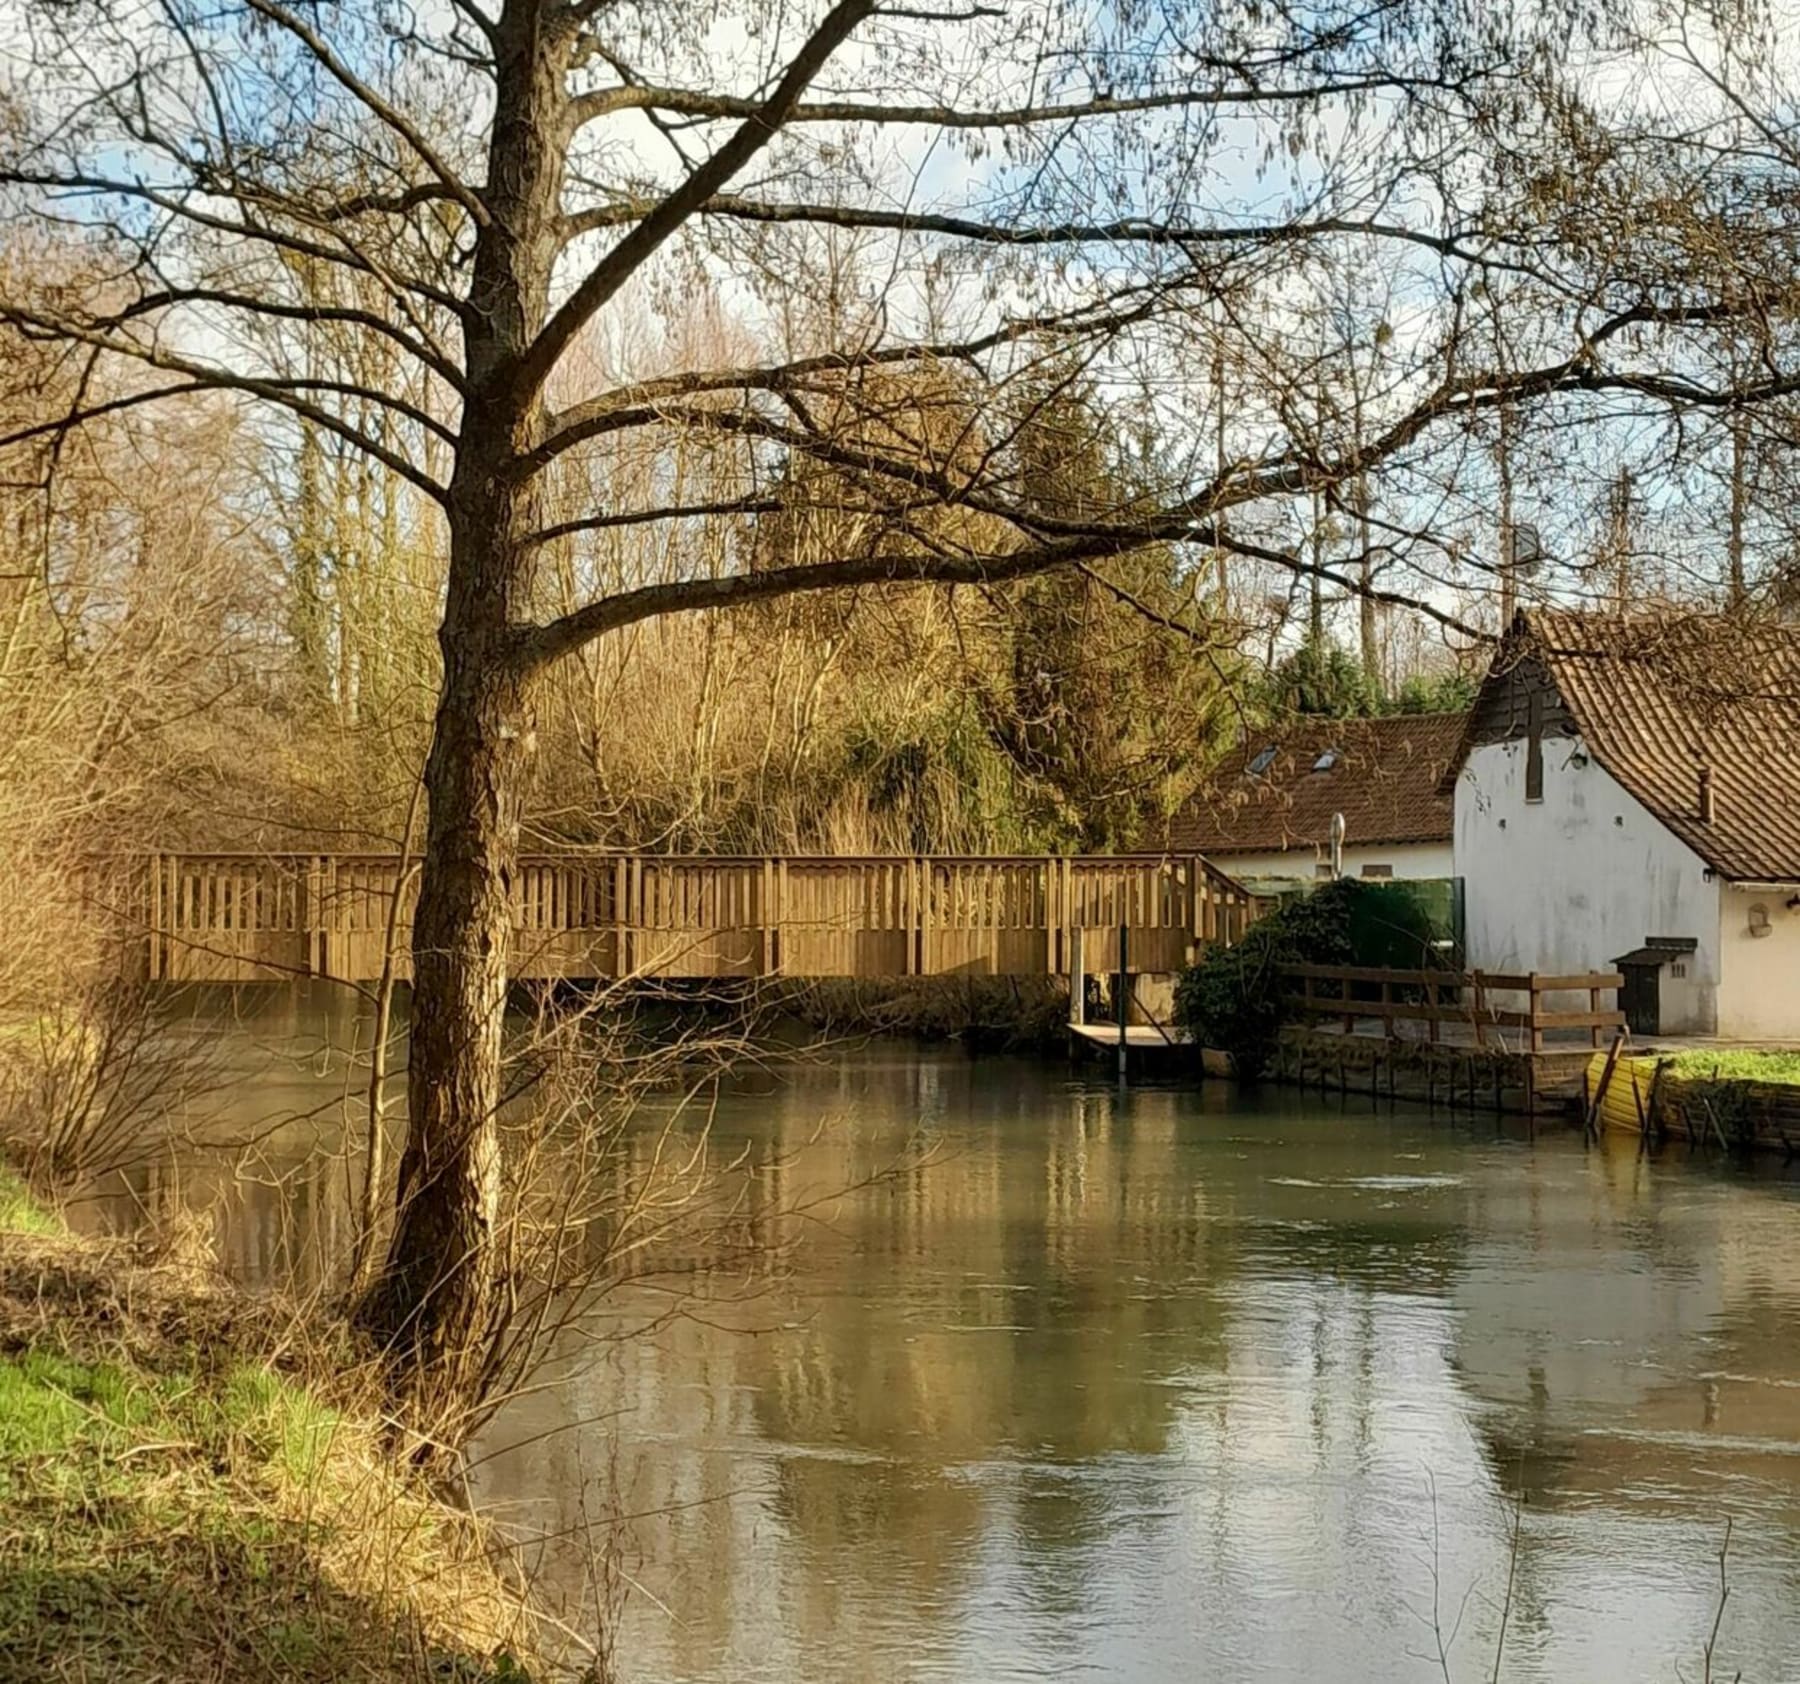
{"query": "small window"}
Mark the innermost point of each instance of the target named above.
(1534, 748)
(1678, 969)
(1323, 871)
(1326, 761)
(1265, 758)
(1378, 871)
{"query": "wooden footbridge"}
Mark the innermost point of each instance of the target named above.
(259, 917)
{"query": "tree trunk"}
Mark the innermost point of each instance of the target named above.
(433, 1305)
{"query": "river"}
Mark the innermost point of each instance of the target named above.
(1059, 1381)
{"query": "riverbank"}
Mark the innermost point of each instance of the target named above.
(193, 1486)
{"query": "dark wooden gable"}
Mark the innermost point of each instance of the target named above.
(1503, 708)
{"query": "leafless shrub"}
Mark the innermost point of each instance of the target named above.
(92, 1084)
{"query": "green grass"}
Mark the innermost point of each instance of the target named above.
(1738, 1065)
(173, 1504)
(19, 1212)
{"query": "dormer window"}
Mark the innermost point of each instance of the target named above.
(1326, 761)
(1265, 758)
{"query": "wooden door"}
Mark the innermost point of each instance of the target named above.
(1640, 998)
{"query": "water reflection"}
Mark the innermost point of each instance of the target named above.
(1170, 1384)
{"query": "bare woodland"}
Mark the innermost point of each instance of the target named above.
(869, 427)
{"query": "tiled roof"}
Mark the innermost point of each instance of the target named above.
(1384, 778)
(1659, 696)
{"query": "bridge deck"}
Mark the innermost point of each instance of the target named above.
(263, 917)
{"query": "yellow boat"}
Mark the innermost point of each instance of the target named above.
(1731, 1111)
(1626, 1102)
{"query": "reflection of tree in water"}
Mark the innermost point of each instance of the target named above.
(1173, 1339)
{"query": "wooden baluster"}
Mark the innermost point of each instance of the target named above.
(781, 905)
(154, 957)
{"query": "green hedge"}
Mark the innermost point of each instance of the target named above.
(1233, 998)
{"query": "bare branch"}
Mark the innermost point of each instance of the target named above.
(395, 119)
(687, 102)
(527, 377)
(286, 393)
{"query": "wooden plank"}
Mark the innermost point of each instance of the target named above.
(1376, 973)
(1574, 983)
(1578, 1020)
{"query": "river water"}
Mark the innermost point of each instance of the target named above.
(1162, 1384)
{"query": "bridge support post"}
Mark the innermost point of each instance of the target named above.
(1077, 980)
(1124, 995)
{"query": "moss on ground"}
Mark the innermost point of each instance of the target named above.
(1737, 1065)
(189, 1488)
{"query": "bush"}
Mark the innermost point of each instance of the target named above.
(1234, 999)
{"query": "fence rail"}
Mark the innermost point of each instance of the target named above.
(1484, 1001)
(259, 917)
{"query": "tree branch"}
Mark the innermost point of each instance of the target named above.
(285, 393)
(1123, 231)
(633, 405)
(389, 114)
(343, 255)
(686, 102)
(171, 297)
(542, 644)
(527, 376)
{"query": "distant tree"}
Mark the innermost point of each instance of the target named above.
(1116, 675)
(1450, 691)
(1321, 678)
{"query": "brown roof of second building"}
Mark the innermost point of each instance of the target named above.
(1659, 696)
(1272, 792)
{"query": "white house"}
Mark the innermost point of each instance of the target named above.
(1264, 815)
(1627, 793)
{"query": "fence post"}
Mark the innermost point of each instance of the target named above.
(1480, 1010)
(1537, 1029)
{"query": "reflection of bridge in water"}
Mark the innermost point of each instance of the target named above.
(264, 917)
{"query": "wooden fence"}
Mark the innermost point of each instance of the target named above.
(243, 917)
(1482, 1003)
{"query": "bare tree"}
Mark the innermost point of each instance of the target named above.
(498, 186)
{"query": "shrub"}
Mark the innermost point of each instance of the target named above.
(1234, 999)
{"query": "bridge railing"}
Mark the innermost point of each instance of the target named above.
(242, 917)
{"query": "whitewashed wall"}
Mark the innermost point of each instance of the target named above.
(1573, 881)
(1759, 992)
(1408, 859)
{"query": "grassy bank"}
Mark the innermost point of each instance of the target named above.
(192, 1486)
